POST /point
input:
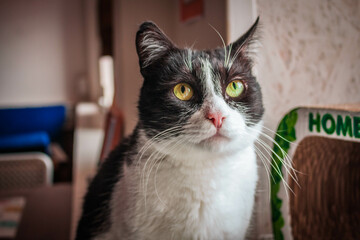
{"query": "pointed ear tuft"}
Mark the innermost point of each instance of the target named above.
(151, 44)
(247, 43)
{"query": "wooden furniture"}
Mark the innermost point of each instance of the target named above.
(114, 130)
(47, 212)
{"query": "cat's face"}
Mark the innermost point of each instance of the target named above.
(206, 100)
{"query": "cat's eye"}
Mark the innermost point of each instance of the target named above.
(183, 91)
(234, 88)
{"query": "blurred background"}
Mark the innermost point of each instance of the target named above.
(70, 81)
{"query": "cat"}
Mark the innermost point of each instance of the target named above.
(188, 170)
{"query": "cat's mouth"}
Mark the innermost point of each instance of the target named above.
(216, 138)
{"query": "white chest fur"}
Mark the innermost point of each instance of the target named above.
(214, 202)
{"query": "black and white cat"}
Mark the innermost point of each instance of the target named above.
(189, 169)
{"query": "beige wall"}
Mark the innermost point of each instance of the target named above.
(240, 15)
(90, 88)
(42, 55)
(128, 17)
(311, 55)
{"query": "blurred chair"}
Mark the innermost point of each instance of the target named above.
(25, 170)
(114, 131)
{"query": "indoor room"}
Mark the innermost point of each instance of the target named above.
(179, 119)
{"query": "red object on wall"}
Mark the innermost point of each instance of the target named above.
(191, 9)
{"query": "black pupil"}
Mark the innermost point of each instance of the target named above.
(234, 85)
(182, 89)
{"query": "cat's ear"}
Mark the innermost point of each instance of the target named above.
(151, 44)
(246, 45)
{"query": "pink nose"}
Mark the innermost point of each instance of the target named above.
(216, 118)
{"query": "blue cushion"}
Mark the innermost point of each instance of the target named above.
(33, 119)
(38, 140)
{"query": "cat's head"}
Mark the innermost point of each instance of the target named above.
(207, 100)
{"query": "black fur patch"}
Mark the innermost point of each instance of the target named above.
(95, 217)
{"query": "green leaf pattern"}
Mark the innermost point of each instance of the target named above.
(285, 134)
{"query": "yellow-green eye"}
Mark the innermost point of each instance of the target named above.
(234, 88)
(183, 91)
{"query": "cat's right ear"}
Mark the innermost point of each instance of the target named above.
(151, 44)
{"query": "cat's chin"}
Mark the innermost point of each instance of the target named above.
(215, 140)
(219, 143)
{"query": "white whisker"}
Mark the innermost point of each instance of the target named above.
(268, 173)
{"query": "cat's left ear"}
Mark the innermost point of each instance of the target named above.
(246, 44)
(151, 44)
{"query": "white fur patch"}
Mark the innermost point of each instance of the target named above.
(188, 59)
(207, 76)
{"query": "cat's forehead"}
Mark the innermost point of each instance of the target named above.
(200, 59)
(207, 67)
(196, 62)
(215, 61)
